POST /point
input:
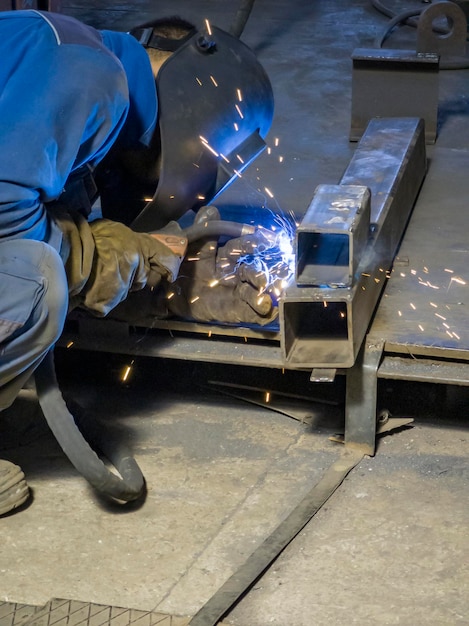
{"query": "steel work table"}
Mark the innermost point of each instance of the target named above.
(420, 331)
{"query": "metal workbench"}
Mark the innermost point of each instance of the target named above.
(420, 331)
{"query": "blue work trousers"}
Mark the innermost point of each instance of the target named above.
(33, 307)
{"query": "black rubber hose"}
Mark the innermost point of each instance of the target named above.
(405, 18)
(130, 485)
(401, 18)
(241, 18)
(217, 228)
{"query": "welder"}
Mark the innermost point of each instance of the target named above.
(87, 114)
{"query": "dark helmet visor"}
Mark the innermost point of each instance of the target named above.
(215, 106)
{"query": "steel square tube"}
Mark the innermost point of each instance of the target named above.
(332, 236)
(325, 327)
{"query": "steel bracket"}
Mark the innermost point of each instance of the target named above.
(394, 83)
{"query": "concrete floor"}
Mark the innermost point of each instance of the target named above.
(389, 547)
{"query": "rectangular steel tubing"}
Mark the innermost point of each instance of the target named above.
(324, 326)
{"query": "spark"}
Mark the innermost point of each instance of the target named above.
(399, 313)
(440, 316)
(213, 80)
(271, 257)
(449, 271)
(224, 158)
(195, 299)
(428, 284)
(199, 81)
(214, 152)
(239, 94)
(276, 141)
(70, 344)
(147, 199)
(433, 305)
(239, 159)
(421, 327)
(268, 192)
(456, 335)
(280, 159)
(236, 127)
(239, 111)
(413, 306)
(127, 371)
(269, 150)
(458, 280)
(200, 197)
(209, 334)
(213, 283)
(450, 334)
(170, 295)
(207, 25)
(267, 396)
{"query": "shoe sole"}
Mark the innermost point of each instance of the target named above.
(14, 491)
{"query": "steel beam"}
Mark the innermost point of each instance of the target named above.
(324, 327)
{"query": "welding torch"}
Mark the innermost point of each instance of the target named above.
(210, 228)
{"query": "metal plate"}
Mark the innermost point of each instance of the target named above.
(425, 308)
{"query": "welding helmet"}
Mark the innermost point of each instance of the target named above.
(215, 106)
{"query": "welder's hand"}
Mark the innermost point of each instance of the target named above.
(266, 260)
(205, 291)
(228, 256)
(125, 261)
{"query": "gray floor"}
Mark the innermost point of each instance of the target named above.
(389, 547)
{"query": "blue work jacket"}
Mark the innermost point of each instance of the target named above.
(67, 93)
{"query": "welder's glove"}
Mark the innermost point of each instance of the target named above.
(106, 260)
(206, 292)
(261, 250)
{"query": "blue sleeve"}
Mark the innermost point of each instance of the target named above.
(61, 106)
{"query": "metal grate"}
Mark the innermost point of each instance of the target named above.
(73, 613)
(12, 614)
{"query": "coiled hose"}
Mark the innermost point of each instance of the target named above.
(130, 485)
